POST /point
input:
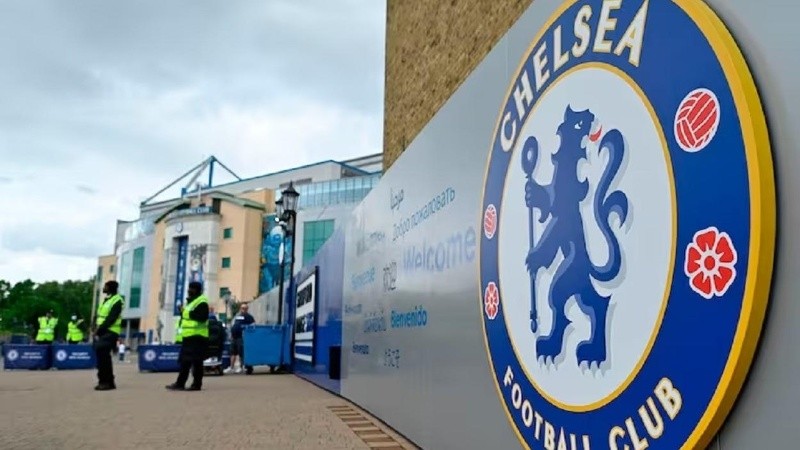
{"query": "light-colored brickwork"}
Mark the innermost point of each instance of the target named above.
(431, 47)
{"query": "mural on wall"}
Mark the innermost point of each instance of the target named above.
(271, 254)
(198, 262)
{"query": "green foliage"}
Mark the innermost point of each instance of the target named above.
(22, 303)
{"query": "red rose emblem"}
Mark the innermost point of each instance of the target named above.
(710, 263)
(491, 300)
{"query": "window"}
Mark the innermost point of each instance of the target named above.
(227, 233)
(314, 236)
(111, 269)
(226, 262)
(99, 274)
(223, 291)
(125, 275)
(137, 275)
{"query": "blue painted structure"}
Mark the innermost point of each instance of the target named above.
(266, 345)
(328, 332)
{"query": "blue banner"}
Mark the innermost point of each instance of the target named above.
(26, 356)
(159, 358)
(72, 357)
(180, 274)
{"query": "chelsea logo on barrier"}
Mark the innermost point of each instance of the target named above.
(628, 229)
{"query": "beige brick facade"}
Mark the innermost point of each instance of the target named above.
(431, 47)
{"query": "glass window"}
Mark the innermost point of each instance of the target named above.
(223, 291)
(348, 189)
(226, 262)
(314, 236)
(137, 276)
(314, 195)
(125, 274)
(335, 192)
(325, 193)
(111, 269)
(227, 233)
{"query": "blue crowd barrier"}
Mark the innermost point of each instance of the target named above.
(159, 358)
(267, 345)
(71, 357)
(20, 339)
(23, 356)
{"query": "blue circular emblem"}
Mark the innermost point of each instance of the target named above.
(628, 225)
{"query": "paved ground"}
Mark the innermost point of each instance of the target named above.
(60, 410)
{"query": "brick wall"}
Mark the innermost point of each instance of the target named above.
(431, 47)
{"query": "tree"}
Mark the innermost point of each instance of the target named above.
(22, 303)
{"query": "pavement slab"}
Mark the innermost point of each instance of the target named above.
(60, 410)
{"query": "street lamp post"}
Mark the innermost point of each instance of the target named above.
(286, 207)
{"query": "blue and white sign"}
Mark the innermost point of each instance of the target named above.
(159, 358)
(180, 274)
(73, 357)
(622, 212)
(26, 356)
(305, 318)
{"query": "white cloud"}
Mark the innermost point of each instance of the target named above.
(105, 103)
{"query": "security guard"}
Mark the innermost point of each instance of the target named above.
(47, 329)
(74, 331)
(194, 331)
(178, 337)
(109, 326)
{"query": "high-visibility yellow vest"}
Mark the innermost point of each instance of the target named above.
(47, 329)
(178, 337)
(74, 334)
(105, 309)
(191, 327)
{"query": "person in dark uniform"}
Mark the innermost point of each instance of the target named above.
(194, 346)
(240, 321)
(109, 326)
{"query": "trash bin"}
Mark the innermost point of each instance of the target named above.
(267, 345)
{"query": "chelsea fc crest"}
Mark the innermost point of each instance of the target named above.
(628, 224)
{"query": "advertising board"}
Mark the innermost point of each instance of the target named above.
(576, 251)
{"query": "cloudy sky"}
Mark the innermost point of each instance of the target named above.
(102, 103)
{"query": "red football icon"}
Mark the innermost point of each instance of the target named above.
(696, 120)
(490, 221)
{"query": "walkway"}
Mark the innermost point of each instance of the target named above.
(60, 410)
